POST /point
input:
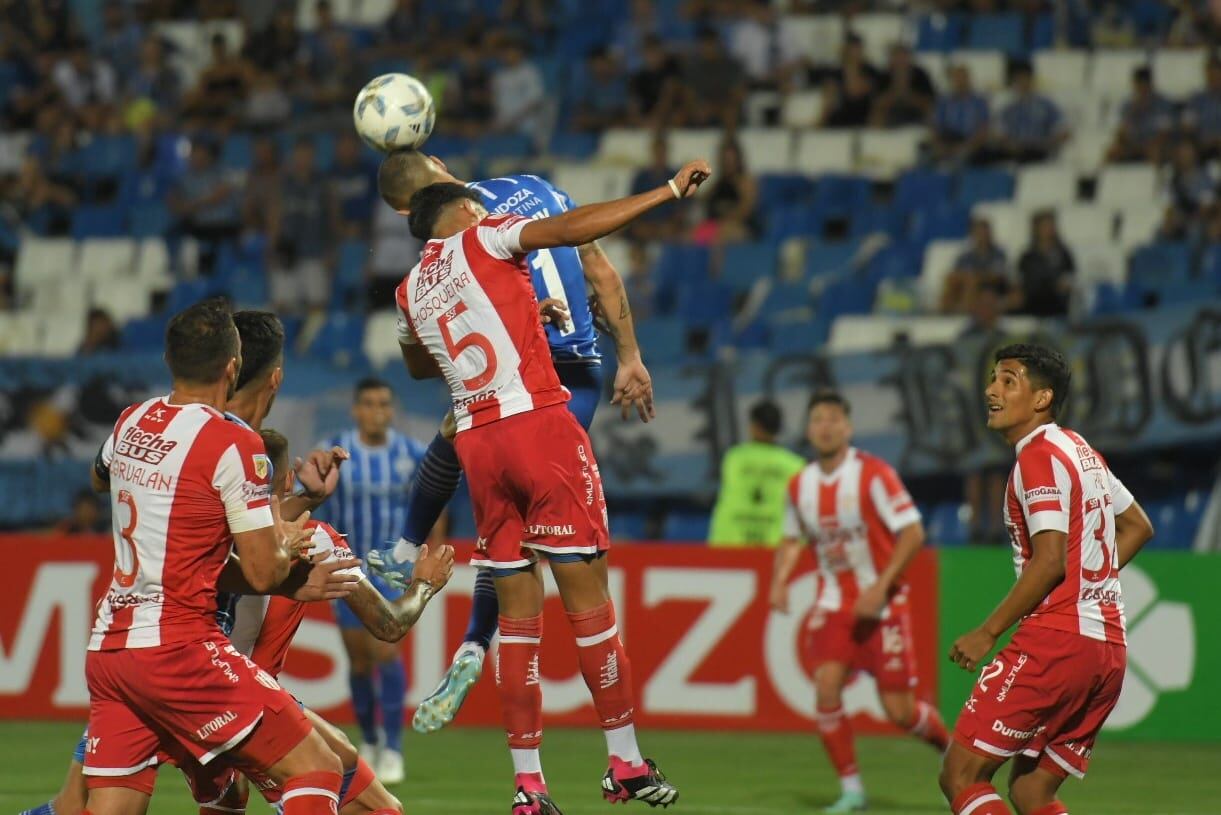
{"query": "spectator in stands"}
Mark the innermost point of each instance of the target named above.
(1191, 190)
(331, 91)
(206, 202)
(1045, 270)
(87, 84)
(44, 204)
(730, 207)
(275, 48)
(1202, 113)
(754, 481)
(353, 189)
(88, 516)
(712, 86)
(120, 40)
(155, 78)
(261, 190)
(847, 99)
(268, 105)
(653, 89)
(960, 121)
(408, 26)
(300, 236)
(662, 223)
(1145, 123)
(633, 35)
(1030, 127)
(101, 334)
(219, 95)
(328, 48)
(754, 41)
(471, 108)
(518, 94)
(906, 93)
(392, 241)
(981, 263)
(599, 94)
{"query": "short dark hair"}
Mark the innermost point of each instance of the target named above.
(276, 446)
(200, 341)
(766, 414)
(827, 396)
(262, 336)
(401, 175)
(1046, 368)
(427, 205)
(369, 383)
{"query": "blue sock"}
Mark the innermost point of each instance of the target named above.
(485, 611)
(392, 677)
(348, 775)
(435, 483)
(45, 809)
(362, 704)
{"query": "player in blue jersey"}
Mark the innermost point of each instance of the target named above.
(559, 274)
(370, 506)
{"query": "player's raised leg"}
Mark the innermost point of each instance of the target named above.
(916, 716)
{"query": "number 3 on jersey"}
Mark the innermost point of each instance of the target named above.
(466, 342)
(127, 578)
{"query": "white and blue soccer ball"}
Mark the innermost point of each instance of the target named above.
(394, 112)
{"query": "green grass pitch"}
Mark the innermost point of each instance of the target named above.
(467, 771)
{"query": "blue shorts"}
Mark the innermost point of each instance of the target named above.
(558, 557)
(584, 382)
(78, 755)
(346, 618)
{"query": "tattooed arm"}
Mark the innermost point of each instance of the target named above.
(633, 385)
(390, 620)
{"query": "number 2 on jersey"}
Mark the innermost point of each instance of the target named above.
(126, 579)
(545, 264)
(468, 341)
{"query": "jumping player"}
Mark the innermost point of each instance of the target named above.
(469, 314)
(1074, 526)
(863, 530)
(558, 273)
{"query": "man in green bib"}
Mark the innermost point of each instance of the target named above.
(754, 475)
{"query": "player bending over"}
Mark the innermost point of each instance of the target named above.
(558, 273)
(469, 314)
(863, 530)
(1073, 525)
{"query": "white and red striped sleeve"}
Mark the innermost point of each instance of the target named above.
(1045, 491)
(1121, 496)
(792, 519)
(242, 478)
(327, 540)
(500, 235)
(406, 331)
(890, 498)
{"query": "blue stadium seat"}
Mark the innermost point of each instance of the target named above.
(679, 264)
(945, 526)
(940, 32)
(744, 263)
(1110, 299)
(786, 297)
(106, 157)
(847, 295)
(838, 196)
(920, 188)
(706, 303)
(1043, 32)
(98, 222)
(189, 292)
(939, 221)
(978, 185)
(1151, 17)
(800, 338)
(237, 151)
(780, 189)
(663, 340)
(574, 146)
(791, 221)
(686, 526)
(1210, 266)
(1158, 265)
(445, 146)
(148, 220)
(629, 525)
(143, 333)
(504, 145)
(889, 220)
(348, 285)
(997, 32)
(324, 151)
(339, 341)
(829, 258)
(896, 260)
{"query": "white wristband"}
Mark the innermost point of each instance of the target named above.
(674, 189)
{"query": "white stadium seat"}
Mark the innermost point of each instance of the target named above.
(879, 32)
(1086, 149)
(766, 149)
(1010, 225)
(1138, 226)
(20, 333)
(1056, 71)
(631, 146)
(886, 153)
(1179, 74)
(12, 151)
(1111, 70)
(588, 183)
(1046, 185)
(938, 330)
(153, 264)
(61, 332)
(1127, 185)
(370, 12)
(877, 332)
(381, 344)
(688, 144)
(935, 64)
(124, 297)
(812, 37)
(826, 151)
(939, 259)
(1082, 224)
(104, 259)
(802, 109)
(987, 68)
(1099, 263)
(44, 259)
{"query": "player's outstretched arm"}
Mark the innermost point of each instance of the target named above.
(633, 385)
(307, 582)
(874, 598)
(390, 621)
(266, 554)
(588, 223)
(1133, 530)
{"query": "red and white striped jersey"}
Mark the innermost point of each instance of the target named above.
(183, 481)
(850, 518)
(471, 303)
(1060, 483)
(264, 626)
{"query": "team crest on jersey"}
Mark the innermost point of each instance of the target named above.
(262, 465)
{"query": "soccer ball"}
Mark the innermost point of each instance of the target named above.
(394, 112)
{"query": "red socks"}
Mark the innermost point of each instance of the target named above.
(929, 727)
(361, 780)
(836, 734)
(979, 799)
(1054, 808)
(605, 665)
(521, 697)
(315, 793)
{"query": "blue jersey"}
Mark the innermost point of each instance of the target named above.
(369, 505)
(557, 272)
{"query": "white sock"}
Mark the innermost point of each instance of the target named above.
(405, 551)
(852, 783)
(470, 648)
(526, 760)
(621, 743)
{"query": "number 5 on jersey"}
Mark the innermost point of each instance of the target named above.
(466, 342)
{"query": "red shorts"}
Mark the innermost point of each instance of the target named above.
(534, 487)
(1046, 694)
(883, 648)
(188, 702)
